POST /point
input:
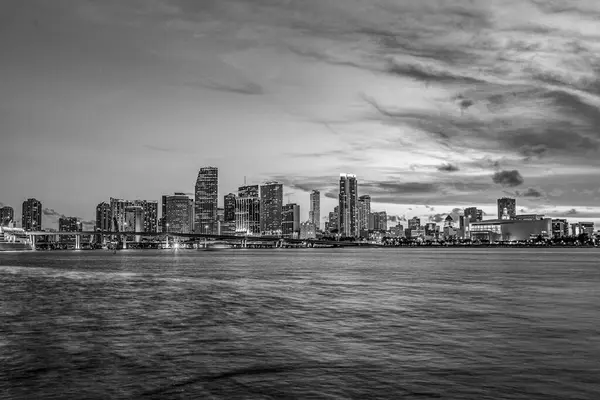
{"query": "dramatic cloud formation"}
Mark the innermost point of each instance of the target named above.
(508, 178)
(424, 101)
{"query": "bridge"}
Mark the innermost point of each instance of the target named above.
(198, 239)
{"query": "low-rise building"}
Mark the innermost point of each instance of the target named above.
(496, 230)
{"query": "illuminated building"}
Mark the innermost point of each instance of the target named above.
(308, 230)
(69, 224)
(150, 208)
(32, 215)
(117, 209)
(364, 213)
(247, 211)
(103, 217)
(290, 226)
(332, 224)
(560, 228)
(271, 203)
(587, 227)
(348, 206)
(207, 198)
(134, 221)
(314, 213)
(179, 213)
(507, 208)
(414, 223)
(510, 229)
(7, 215)
(473, 214)
(229, 207)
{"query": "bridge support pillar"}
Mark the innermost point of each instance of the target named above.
(124, 241)
(77, 242)
(33, 242)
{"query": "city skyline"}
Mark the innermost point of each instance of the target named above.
(434, 106)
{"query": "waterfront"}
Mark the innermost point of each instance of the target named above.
(309, 323)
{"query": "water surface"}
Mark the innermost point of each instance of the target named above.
(306, 323)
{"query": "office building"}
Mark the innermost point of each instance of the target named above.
(117, 209)
(348, 206)
(247, 211)
(229, 207)
(179, 213)
(163, 214)
(32, 215)
(207, 198)
(290, 220)
(69, 224)
(379, 221)
(150, 208)
(507, 208)
(587, 228)
(314, 212)
(271, 203)
(103, 217)
(414, 223)
(364, 213)
(560, 228)
(7, 215)
(308, 230)
(473, 214)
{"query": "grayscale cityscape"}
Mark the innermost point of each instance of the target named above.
(299, 199)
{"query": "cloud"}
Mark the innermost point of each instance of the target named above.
(49, 212)
(448, 168)
(250, 88)
(396, 218)
(510, 178)
(437, 218)
(571, 212)
(530, 192)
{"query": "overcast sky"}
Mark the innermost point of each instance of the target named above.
(433, 104)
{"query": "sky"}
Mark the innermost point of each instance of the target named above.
(434, 105)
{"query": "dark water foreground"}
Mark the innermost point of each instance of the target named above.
(331, 324)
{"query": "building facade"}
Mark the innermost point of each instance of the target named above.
(103, 217)
(150, 208)
(134, 221)
(414, 223)
(348, 206)
(560, 228)
(364, 213)
(247, 211)
(271, 203)
(206, 201)
(308, 230)
(290, 220)
(32, 215)
(7, 215)
(379, 221)
(314, 212)
(507, 208)
(510, 229)
(473, 214)
(179, 213)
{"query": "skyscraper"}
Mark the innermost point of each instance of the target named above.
(134, 221)
(150, 208)
(207, 199)
(364, 212)
(117, 209)
(314, 213)
(290, 220)
(103, 217)
(179, 213)
(7, 215)
(163, 213)
(271, 202)
(379, 221)
(348, 203)
(229, 207)
(247, 211)
(507, 208)
(32, 215)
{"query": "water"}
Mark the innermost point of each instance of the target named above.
(307, 323)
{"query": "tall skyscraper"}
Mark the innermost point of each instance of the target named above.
(179, 213)
(314, 213)
(271, 203)
(291, 220)
(117, 209)
(507, 208)
(163, 213)
(229, 207)
(150, 208)
(7, 215)
(247, 211)
(379, 221)
(69, 224)
(32, 215)
(103, 217)
(207, 199)
(473, 214)
(364, 212)
(348, 203)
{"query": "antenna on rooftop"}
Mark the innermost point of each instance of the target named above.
(244, 180)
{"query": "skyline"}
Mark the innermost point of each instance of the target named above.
(433, 106)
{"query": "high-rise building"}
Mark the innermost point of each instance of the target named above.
(103, 217)
(271, 203)
(117, 209)
(7, 215)
(364, 212)
(32, 215)
(348, 203)
(560, 228)
(207, 199)
(379, 221)
(229, 207)
(69, 224)
(507, 208)
(314, 213)
(150, 208)
(290, 220)
(247, 210)
(473, 214)
(414, 223)
(179, 213)
(163, 213)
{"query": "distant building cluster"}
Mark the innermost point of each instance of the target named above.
(259, 210)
